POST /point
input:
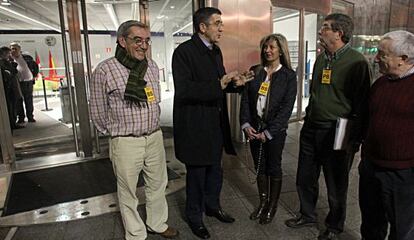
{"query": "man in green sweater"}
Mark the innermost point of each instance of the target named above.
(340, 84)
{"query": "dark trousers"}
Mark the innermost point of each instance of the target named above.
(11, 107)
(386, 196)
(316, 153)
(268, 156)
(27, 91)
(203, 190)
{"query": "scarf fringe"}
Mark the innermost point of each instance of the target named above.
(133, 102)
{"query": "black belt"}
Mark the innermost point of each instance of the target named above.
(136, 136)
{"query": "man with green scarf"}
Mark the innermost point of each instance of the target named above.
(124, 102)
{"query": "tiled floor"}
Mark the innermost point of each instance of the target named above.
(238, 198)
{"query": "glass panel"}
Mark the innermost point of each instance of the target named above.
(171, 24)
(368, 46)
(311, 51)
(38, 34)
(286, 22)
(37, 31)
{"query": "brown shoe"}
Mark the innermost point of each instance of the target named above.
(170, 233)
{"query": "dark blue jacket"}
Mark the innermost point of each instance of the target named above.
(200, 118)
(282, 96)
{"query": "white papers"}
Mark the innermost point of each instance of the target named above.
(343, 128)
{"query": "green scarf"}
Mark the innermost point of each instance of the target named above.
(134, 91)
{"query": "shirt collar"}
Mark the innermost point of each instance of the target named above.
(207, 43)
(338, 52)
(409, 72)
(277, 69)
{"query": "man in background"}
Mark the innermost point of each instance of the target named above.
(27, 71)
(11, 84)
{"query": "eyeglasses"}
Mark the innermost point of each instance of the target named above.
(139, 41)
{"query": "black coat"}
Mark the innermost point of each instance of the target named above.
(201, 125)
(282, 96)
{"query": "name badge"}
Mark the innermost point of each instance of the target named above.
(264, 88)
(150, 94)
(326, 76)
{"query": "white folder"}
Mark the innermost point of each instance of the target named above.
(342, 133)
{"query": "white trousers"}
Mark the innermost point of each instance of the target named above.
(130, 155)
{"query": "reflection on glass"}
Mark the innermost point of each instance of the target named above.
(311, 51)
(171, 24)
(286, 22)
(38, 33)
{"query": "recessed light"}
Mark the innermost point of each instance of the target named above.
(172, 7)
(5, 3)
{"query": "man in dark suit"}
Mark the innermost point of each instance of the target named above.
(201, 126)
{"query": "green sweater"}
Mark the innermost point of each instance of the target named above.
(347, 93)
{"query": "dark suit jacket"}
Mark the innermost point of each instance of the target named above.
(283, 88)
(200, 117)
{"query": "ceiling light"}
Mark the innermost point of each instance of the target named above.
(184, 27)
(29, 18)
(172, 7)
(5, 3)
(160, 16)
(110, 10)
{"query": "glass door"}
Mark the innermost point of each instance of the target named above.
(171, 24)
(286, 21)
(42, 113)
(300, 28)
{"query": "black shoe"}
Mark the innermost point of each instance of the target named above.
(328, 235)
(220, 215)
(199, 230)
(299, 223)
(32, 120)
(21, 120)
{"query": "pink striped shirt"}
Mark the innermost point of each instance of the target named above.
(110, 112)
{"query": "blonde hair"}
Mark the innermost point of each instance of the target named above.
(283, 49)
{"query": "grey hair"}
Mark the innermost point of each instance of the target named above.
(15, 44)
(402, 44)
(123, 29)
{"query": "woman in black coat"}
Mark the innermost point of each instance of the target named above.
(266, 107)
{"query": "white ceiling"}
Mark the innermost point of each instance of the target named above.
(44, 14)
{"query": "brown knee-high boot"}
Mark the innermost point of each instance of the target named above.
(270, 211)
(263, 187)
